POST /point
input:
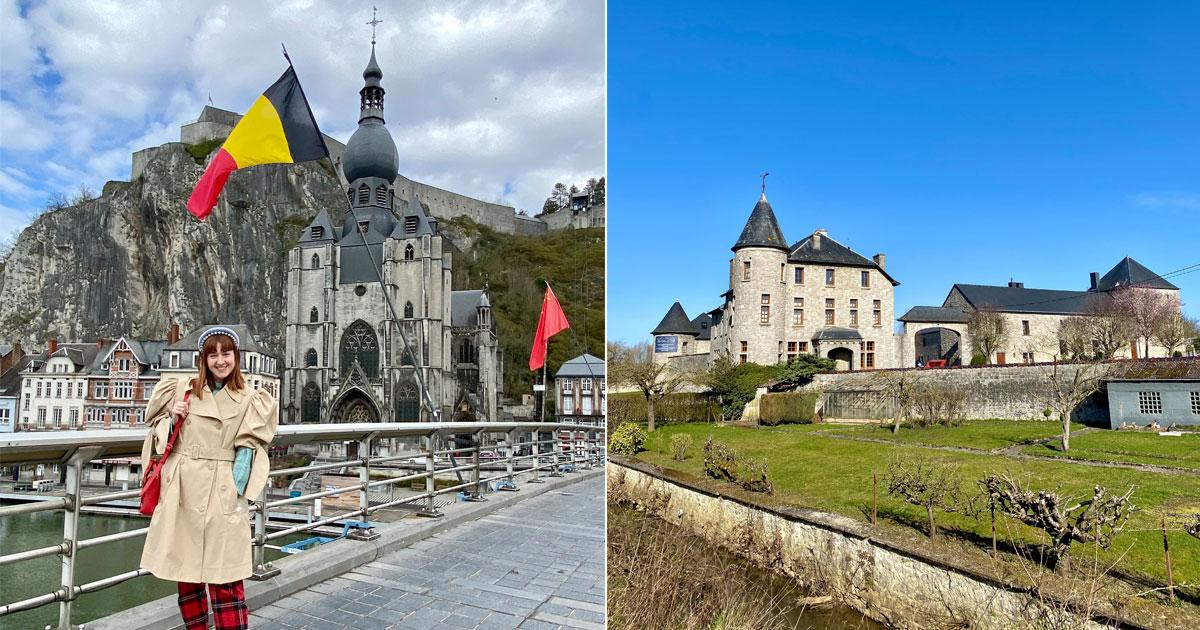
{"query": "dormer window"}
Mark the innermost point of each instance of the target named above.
(381, 196)
(410, 225)
(364, 194)
(363, 225)
(318, 232)
(174, 359)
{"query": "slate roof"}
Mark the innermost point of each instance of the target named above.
(1130, 271)
(5, 349)
(584, 365)
(10, 380)
(675, 321)
(940, 314)
(246, 340)
(831, 252)
(323, 221)
(762, 230)
(464, 307)
(415, 209)
(703, 326)
(83, 355)
(833, 333)
(1009, 299)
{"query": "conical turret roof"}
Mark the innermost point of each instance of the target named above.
(675, 321)
(762, 229)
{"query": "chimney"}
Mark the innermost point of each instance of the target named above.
(881, 260)
(173, 335)
(816, 239)
(1095, 280)
(99, 344)
(53, 346)
(1016, 285)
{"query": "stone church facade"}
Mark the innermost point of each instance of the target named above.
(346, 360)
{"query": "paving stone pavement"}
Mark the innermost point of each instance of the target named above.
(538, 565)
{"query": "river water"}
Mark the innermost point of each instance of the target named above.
(37, 577)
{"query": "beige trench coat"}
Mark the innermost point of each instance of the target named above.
(200, 531)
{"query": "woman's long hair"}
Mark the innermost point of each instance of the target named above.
(212, 345)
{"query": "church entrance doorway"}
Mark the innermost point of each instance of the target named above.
(843, 357)
(355, 406)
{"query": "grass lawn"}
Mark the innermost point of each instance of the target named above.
(979, 434)
(1130, 447)
(834, 475)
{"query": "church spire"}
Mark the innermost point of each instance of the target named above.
(371, 101)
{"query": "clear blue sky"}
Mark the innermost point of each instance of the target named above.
(970, 142)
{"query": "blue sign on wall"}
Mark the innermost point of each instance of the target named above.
(666, 343)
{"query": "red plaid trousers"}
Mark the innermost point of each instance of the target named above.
(228, 605)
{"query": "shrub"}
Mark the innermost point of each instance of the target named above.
(721, 463)
(200, 150)
(788, 408)
(672, 409)
(935, 404)
(754, 476)
(978, 359)
(627, 439)
(680, 443)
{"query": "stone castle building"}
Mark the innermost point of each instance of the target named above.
(1031, 317)
(345, 361)
(815, 296)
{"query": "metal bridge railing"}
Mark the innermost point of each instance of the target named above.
(75, 449)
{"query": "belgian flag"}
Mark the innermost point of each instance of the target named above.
(279, 128)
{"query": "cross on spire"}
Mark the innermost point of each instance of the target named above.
(764, 182)
(374, 20)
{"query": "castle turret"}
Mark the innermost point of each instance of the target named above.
(757, 277)
(674, 335)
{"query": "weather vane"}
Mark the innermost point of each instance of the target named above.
(764, 182)
(374, 20)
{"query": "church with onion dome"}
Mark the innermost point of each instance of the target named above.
(433, 353)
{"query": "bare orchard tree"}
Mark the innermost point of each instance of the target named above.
(1146, 309)
(1076, 337)
(1069, 385)
(634, 366)
(1110, 329)
(900, 386)
(987, 331)
(1174, 331)
(930, 484)
(1064, 519)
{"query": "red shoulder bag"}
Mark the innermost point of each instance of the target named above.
(152, 481)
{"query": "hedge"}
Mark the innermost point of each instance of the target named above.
(673, 409)
(788, 408)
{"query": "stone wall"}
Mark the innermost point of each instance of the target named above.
(839, 556)
(444, 204)
(1010, 392)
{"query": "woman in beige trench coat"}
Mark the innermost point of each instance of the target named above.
(200, 532)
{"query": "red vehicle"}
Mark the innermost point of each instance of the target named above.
(936, 363)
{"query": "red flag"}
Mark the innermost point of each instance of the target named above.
(552, 322)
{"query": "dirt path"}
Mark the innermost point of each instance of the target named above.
(1014, 452)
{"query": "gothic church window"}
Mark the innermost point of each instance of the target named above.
(408, 406)
(310, 404)
(409, 252)
(360, 344)
(316, 262)
(310, 358)
(313, 316)
(408, 310)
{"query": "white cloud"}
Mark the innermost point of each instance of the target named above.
(1168, 200)
(495, 100)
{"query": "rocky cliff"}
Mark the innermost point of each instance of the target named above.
(134, 260)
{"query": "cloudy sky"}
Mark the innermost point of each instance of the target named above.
(498, 100)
